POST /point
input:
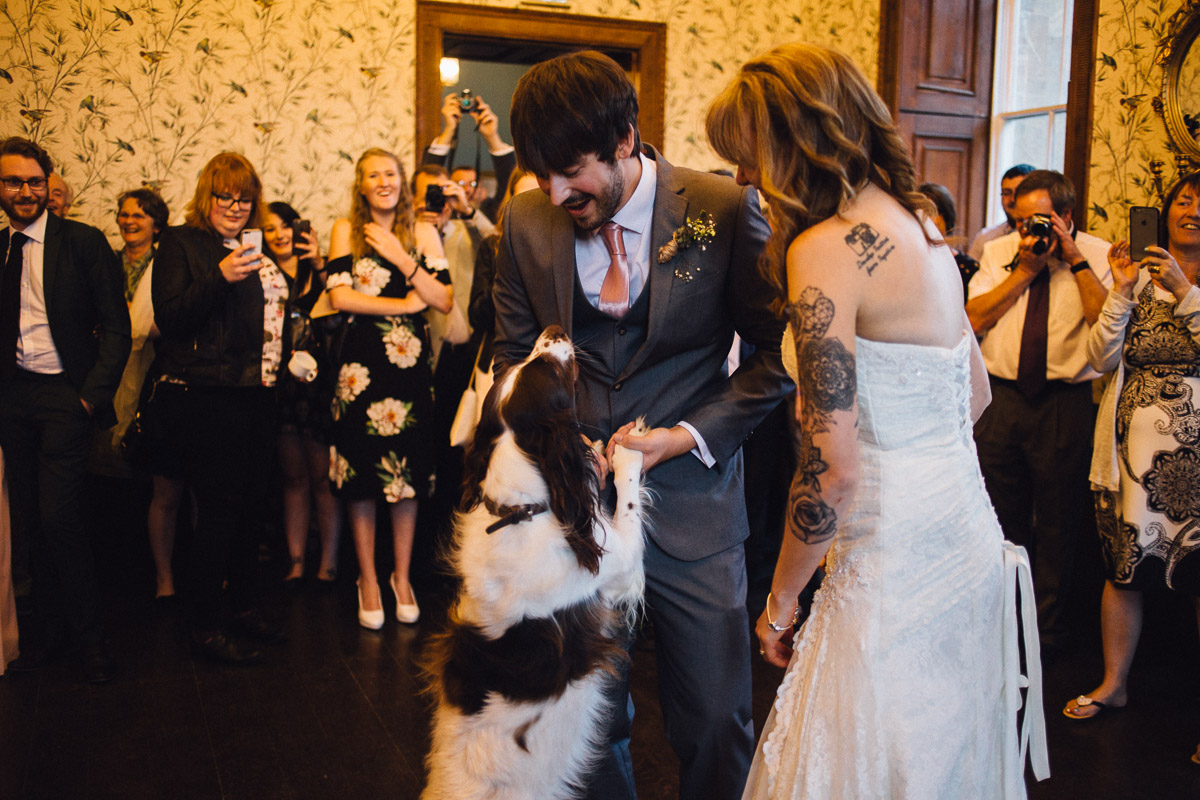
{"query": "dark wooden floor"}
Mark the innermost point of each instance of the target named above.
(336, 712)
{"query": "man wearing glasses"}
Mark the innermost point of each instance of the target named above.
(1008, 196)
(64, 338)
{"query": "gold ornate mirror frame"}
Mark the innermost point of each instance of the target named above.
(1183, 124)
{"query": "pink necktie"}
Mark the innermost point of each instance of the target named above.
(614, 292)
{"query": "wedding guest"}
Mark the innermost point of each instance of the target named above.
(220, 307)
(386, 270)
(8, 605)
(652, 325)
(887, 367)
(1144, 464)
(442, 150)
(304, 421)
(142, 216)
(481, 311)
(1008, 195)
(63, 345)
(1038, 291)
(945, 220)
(61, 196)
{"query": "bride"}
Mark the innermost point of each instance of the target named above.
(904, 681)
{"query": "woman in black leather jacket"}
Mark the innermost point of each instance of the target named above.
(219, 306)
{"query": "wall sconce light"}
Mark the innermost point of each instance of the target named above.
(449, 69)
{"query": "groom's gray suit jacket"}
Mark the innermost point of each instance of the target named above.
(697, 300)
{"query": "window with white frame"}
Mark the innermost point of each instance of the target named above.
(1029, 99)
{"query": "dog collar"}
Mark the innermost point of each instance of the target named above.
(511, 515)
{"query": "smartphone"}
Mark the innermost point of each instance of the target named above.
(299, 228)
(1143, 231)
(252, 236)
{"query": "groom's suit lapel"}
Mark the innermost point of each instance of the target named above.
(562, 266)
(670, 212)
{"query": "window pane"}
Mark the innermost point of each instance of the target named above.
(1024, 141)
(1038, 58)
(1058, 141)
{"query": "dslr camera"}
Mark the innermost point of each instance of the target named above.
(468, 102)
(1042, 227)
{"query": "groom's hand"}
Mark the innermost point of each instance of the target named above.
(656, 445)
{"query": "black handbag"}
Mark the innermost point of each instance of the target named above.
(148, 428)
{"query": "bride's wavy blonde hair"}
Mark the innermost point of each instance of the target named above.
(808, 119)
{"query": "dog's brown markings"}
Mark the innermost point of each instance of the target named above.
(519, 736)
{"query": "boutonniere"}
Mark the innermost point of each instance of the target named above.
(694, 231)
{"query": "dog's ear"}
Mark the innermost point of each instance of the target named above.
(479, 451)
(540, 411)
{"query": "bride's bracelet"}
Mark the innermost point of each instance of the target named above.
(781, 628)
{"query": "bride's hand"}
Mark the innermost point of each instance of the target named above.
(774, 646)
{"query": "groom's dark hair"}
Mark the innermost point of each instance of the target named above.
(570, 106)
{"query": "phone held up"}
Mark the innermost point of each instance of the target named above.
(299, 228)
(253, 236)
(1143, 231)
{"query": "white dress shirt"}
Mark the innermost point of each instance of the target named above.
(592, 260)
(35, 345)
(591, 254)
(1066, 328)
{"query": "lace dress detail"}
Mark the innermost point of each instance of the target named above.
(895, 689)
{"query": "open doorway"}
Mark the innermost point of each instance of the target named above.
(495, 46)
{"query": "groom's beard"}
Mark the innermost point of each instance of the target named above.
(602, 207)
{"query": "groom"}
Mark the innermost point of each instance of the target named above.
(653, 324)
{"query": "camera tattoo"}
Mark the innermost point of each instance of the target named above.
(828, 383)
(871, 246)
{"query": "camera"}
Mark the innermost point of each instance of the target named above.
(468, 102)
(1042, 227)
(435, 198)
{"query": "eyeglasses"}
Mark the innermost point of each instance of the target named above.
(227, 201)
(14, 185)
(468, 184)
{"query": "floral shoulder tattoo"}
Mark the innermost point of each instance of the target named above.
(828, 383)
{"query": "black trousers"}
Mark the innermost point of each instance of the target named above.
(222, 439)
(1035, 455)
(45, 433)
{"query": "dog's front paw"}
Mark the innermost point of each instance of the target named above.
(626, 463)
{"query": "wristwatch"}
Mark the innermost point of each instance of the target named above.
(1080, 267)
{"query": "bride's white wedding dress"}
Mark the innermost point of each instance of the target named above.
(904, 681)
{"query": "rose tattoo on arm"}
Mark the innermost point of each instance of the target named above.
(828, 383)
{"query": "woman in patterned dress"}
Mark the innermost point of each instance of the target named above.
(1146, 463)
(385, 270)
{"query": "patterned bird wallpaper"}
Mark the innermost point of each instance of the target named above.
(1128, 135)
(131, 92)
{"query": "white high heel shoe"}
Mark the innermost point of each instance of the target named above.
(371, 620)
(407, 613)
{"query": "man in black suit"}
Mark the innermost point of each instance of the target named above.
(64, 338)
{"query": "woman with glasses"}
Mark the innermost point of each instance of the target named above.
(385, 270)
(219, 305)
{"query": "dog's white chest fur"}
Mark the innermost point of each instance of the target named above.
(534, 637)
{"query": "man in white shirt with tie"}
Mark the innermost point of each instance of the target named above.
(64, 338)
(1032, 302)
(653, 320)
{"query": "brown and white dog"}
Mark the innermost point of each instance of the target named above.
(550, 588)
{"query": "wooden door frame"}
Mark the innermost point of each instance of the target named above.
(647, 40)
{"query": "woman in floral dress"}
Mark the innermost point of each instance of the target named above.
(385, 270)
(1146, 461)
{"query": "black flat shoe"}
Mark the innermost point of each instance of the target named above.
(256, 626)
(98, 664)
(219, 646)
